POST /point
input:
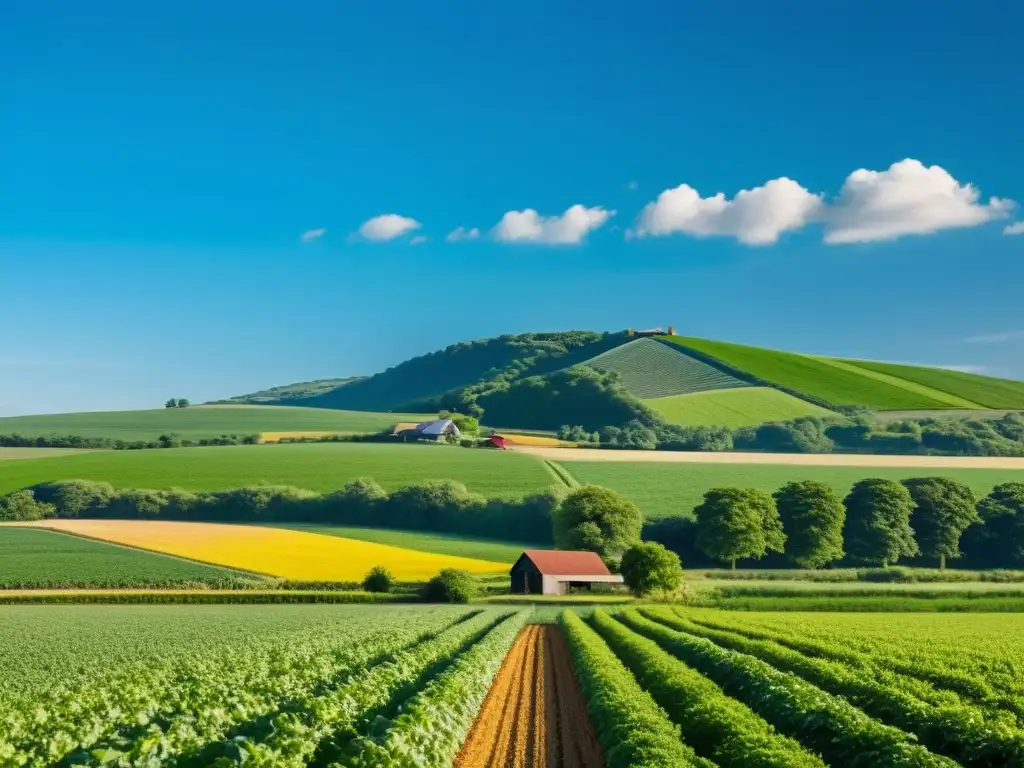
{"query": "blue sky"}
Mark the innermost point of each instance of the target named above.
(161, 162)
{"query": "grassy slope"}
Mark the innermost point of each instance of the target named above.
(316, 466)
(935, 394)
(437, 543)
(202, 421)
(651, 369)
(986, 390)
(748, 406)
(666, 490)
(45, 558)
(811, 376)
(7, 454)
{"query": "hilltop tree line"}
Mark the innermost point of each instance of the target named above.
(858, 433)
(169, 440)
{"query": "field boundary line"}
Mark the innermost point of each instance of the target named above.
(562, 475)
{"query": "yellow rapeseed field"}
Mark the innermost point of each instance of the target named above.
(276, 437)
(274, 551)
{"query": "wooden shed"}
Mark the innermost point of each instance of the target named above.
(555, 572)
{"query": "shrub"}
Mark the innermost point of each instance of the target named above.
(451, 585)
(648, 567)
(378, 579)
(22, 505)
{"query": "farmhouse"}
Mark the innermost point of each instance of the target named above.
(555, 572)
(428, 430)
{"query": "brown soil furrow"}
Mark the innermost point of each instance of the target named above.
(535, 715)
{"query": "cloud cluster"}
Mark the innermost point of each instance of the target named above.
(754, 216)
(461, 233)
(570, 228)
(387, 226)
(312, 234)
(1017, 228)
(907, 199)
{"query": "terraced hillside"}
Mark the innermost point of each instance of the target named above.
(650, 369)
(733, 408)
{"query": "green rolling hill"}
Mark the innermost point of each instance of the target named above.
(733, 408)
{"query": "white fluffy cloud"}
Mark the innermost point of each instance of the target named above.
(1017, 228)
(754, 216)
(461, 233)
(387, 226)
(907, 199)
(312, 234)
(568, 229)
(418, 240)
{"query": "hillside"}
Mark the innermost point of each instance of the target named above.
(299, 390)
(197, 422)
(540, 381)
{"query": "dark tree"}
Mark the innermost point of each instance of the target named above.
(22, 505)
(378, 579)
(878, 522)
(943, 510)
(183, 402)
(812, 516)
(999, 538)
(735, 523)
(649, 568)
(172, 403)
(450, 586)
(597, 519)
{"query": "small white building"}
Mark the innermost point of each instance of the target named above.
(428, 430)
(556, 571)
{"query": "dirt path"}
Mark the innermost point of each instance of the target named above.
(791, 459)
(534, 715)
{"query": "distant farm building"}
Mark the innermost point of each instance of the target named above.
(428, 430)
(556, 572)
(652, 332)
(498, 441)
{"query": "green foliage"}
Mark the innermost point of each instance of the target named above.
(172, 403)
(293, 392)
(715, 725)
(648, 568)
(378, 579)
(735, 523)
(812, 515)
(361, 499)
(943, 510)
(999, 537)
(467, 424)
(813, 377)
(22, 505)
(451, 585)
(183, 402)
(578, 395)
(597, 519)
(734, 408)
(878, 522)
(632, 729)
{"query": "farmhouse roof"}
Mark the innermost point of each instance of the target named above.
(558, 562)
(404, 426)
(437, 427)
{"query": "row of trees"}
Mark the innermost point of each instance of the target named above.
(177, 402)
(169, 440)
(858, 433)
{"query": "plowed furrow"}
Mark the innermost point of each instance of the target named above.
(535, 715)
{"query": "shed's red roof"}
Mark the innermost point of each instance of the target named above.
(560, 562)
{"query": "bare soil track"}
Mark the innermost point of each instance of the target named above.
(535, 715)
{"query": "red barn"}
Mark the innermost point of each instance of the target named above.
(555, 572)
(498, 441)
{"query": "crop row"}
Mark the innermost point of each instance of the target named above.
(632, 728)
(941, 721)
(829, 725)
(714, 724)
(164, 706)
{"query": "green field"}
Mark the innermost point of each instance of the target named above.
(667, 490)
(197, 422)
(7, 454)
(438, 543)
(315, 466)
(951, 401)
(812, 376)
(651, 369)
(44, 559)
(748, 406)
(985, 390)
